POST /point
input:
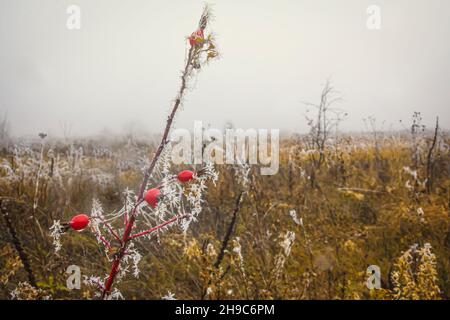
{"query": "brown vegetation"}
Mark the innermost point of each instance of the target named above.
(278, 237)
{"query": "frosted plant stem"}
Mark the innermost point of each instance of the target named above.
(129, 226)
(36, 190)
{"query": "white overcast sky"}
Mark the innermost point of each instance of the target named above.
(121, 70)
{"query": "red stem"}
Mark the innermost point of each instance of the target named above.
(111, 230)
(143, 233)
(106, 242)
(129, 226)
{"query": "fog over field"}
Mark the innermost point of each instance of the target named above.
(121, 69)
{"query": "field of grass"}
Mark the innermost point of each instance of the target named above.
(308, 232)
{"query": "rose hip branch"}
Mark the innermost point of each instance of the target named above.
(173, 199)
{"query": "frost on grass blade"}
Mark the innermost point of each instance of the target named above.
(294, 217)
(115, 295)
(56, 230)
(25, 291)
(169, 296)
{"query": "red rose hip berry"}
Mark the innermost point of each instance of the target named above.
(185, 176)
(192, 41)
(196, 38)
(152, 196)
(79, 222)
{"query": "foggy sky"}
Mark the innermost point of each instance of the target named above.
(121, 70)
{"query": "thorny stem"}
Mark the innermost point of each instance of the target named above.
(162, 225)
(105, 242)
(130, 223)
(111, 230)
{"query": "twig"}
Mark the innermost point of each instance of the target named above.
(162, 225)
(226, 239)
(361, 190)
(229, 231)
(430, 154)
(17, 244)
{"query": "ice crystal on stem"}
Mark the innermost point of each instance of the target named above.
(415, 275)
(25, 291)
(237, 249)
(115, 295)
(286, 245)
(169, 296)
(56, 231)
(294, 217)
